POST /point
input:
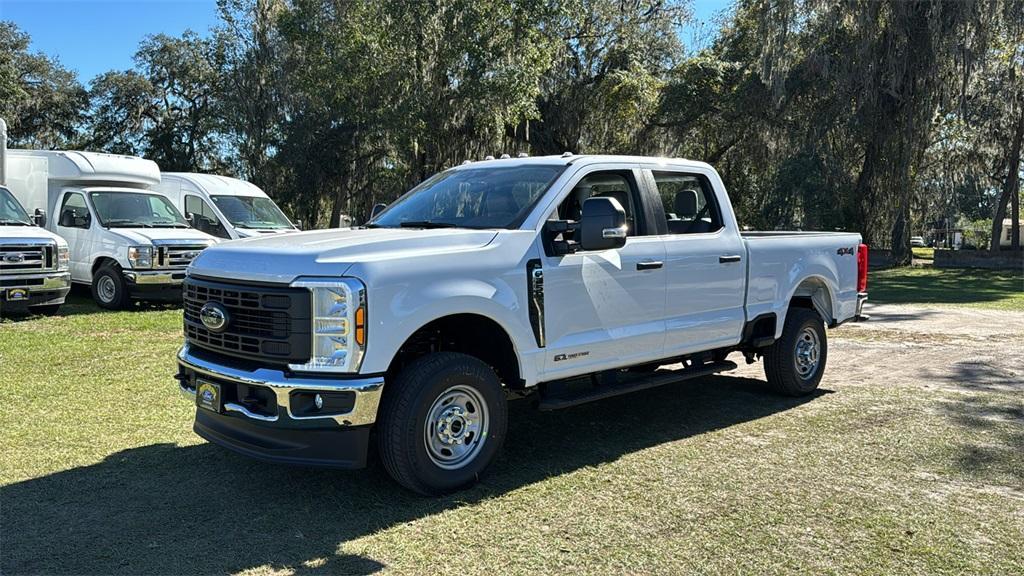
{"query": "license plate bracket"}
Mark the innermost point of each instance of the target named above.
(17, 294)
(208, 395)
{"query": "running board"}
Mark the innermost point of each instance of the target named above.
(615, 383)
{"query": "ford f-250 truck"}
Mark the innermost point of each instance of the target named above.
(566, 278)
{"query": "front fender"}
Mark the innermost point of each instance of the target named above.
(394, 314)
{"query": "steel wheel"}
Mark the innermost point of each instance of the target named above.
(106, 290)
(456, 427)
(807, 352)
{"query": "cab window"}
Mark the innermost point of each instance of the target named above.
(689, 203)
(74, 213)
(202, 216)
(617, 185)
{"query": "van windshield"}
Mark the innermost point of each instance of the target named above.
(11, 213)
(136, 210)
(252, 212)
(493, 197)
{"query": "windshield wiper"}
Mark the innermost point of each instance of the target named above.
(14, 223)
(426, 224)
(170, 225)
(126, 223)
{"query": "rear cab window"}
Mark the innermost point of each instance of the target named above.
(688, 201)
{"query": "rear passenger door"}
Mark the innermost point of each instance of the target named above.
(705, 264)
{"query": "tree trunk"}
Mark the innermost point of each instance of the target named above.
(1011, 191)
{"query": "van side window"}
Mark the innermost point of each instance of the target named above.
(602, 184)
(689, 203)
(74, 213)
(205, 219)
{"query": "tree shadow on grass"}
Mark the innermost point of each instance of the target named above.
(944, 286)
(165, 509)
(79, 302)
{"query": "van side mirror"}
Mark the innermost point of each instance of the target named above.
(377, 209)
(39, 218)
(298, 224)
(602, 224)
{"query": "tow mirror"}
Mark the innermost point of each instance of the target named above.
(603, 224)
(39, 218)
(377, 209)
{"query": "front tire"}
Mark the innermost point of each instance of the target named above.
(795, 363)
(109, 288)
(442, 420)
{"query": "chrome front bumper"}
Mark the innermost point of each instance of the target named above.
(51, 281)
(366, 390)
(152, 277)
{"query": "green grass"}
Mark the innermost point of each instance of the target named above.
(100, 473)
(996, 289)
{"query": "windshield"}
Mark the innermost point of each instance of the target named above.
(496, 197)
(252, 212)
(11, 213)
(136, 210)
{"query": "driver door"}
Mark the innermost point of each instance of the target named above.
(73, 223)
(604, 309)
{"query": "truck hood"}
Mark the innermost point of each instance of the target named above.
(283, 257)
(146, 236)
(16, 234)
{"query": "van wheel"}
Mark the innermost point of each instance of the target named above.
(794, 364)
(441, 422)
(109, 289)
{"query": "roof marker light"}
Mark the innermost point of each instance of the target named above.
(488, 157)
(566, 154)
(505, 156)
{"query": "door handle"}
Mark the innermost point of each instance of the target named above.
(728, 258)
(649, 265)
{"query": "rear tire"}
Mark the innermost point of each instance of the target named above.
(795, 363)
(442, 420)
(109, 288)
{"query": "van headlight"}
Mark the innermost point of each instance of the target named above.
(63, 258)
(140, 257)
(339, 324)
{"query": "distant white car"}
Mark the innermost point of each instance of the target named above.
(917, 242)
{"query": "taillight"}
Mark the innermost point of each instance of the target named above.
(862, 268)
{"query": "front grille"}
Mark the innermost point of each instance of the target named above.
(267, 323)
(19, 258)
(176, 256)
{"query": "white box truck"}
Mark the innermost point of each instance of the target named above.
(126, 240)
(224, 207)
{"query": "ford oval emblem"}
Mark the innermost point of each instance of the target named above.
(214, 316)
(14, 258)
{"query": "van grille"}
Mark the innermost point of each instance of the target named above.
(176, 256)
(270, 323)
(25, 258)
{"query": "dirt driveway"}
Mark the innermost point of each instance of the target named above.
(965, 348)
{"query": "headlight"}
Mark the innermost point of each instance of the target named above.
(339, 324)
(140, 256)
(63, 258)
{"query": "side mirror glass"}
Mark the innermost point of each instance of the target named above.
(603, 224)
(39, 218)
(377, 209)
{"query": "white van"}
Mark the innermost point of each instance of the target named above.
(126, 240)
(224, 207)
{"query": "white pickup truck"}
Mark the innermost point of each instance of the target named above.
(566, 279)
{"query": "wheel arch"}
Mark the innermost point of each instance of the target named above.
(813, 292)
(470, 333)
